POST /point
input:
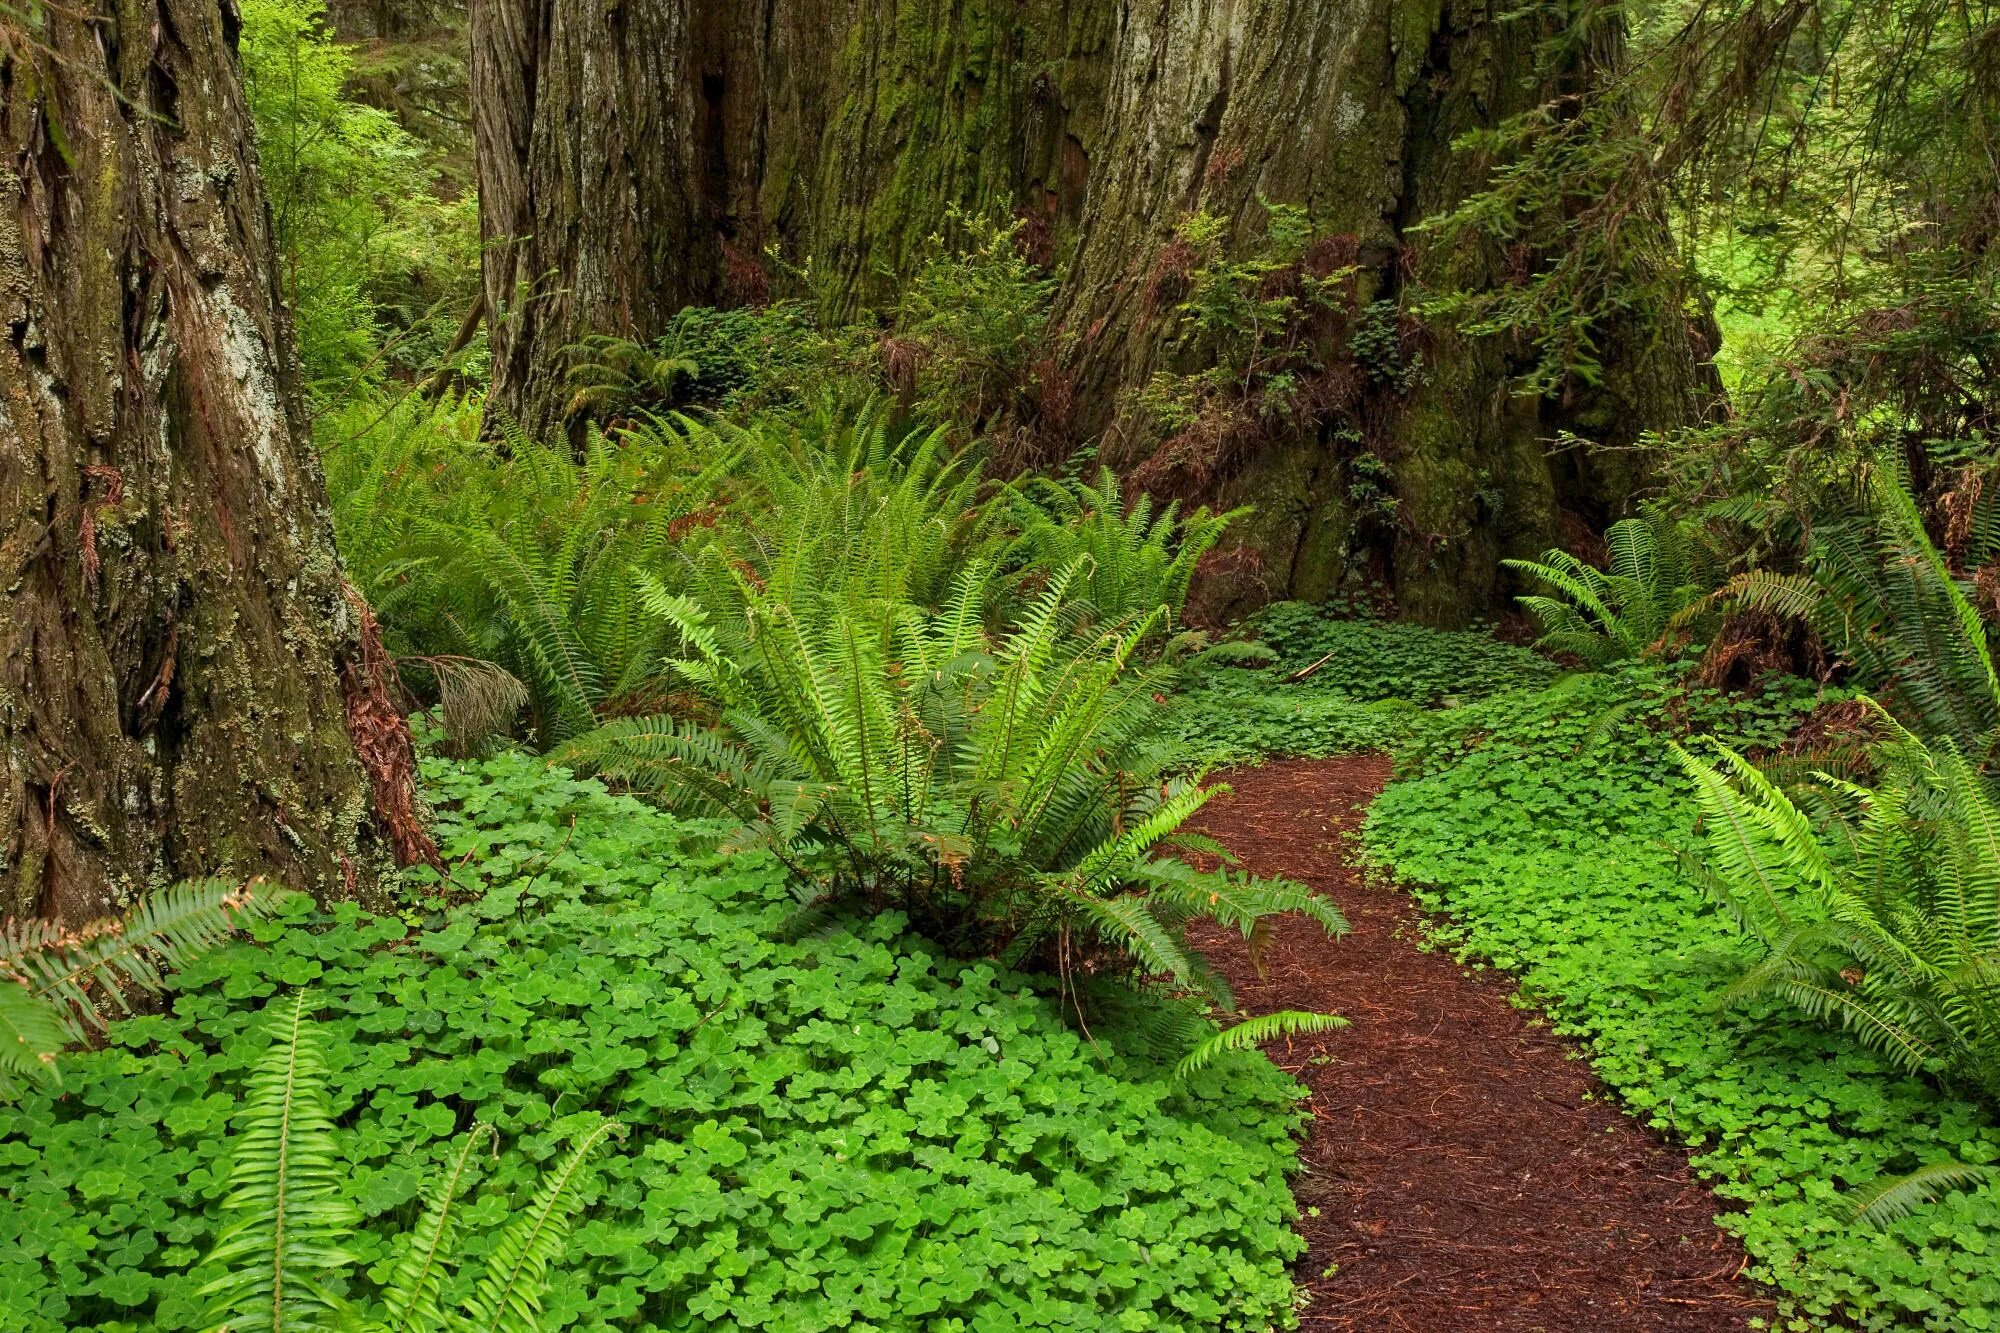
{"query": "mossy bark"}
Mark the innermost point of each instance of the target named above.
(639, 157)
(172, 615)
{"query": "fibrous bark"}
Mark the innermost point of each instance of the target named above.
(637, 157)
(173, 624)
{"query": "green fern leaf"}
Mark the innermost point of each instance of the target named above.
(1252, 1033)
(507, 1297)
(1895, 1197)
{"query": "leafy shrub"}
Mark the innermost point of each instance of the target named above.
(1879, 589)
(969, 324)
(1249, 316)
(286, 1222)
(1277, 336)
(1549, 825)
(1133, 557)
(1626, 611)
(1007, 790)
(823, 1133)
(55, 984)
(377, 268)
(1890, 927)
(522, 555)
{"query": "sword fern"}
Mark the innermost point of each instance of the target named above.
(287, 1224)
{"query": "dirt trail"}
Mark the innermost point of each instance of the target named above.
(1463, 1176)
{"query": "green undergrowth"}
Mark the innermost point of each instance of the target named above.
(1370, 685)
(1546, 825)
(842, 1130)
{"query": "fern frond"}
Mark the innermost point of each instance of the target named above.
(287, 1218)
(412, 1299)
(507, 1296)
(1254, 1032)
(32, 1035)
(1894, 1197)
(79, 971)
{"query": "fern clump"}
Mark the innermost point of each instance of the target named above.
(1877, 588)
(1888, 922)
(1004, 777)
(56, 983)
(1009, 790)
(505, 575)
(1624, 611)
(1134, 557)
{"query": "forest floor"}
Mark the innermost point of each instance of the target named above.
(1463, 1169)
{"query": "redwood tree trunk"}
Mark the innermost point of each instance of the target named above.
(174, 628)
(638, 157)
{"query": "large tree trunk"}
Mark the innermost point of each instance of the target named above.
(179, 657)
(637, 157)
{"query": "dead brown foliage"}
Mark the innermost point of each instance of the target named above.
(381, 736)
(1754, 644)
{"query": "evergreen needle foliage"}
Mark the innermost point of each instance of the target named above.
(55, 984)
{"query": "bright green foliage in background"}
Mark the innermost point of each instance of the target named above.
(378, 266)
(846, 1131)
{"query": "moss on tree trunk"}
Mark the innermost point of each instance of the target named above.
(173, 622)
(638, 157)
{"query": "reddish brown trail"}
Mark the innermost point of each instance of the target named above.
(1465, 1170)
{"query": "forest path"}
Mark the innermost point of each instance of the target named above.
(1464, 1174)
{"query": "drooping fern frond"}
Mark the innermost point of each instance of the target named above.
(1880, 592)
(32, 1035)
(1252, 1033)
(57, 985)
(1893, 1197)
(612, 376)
